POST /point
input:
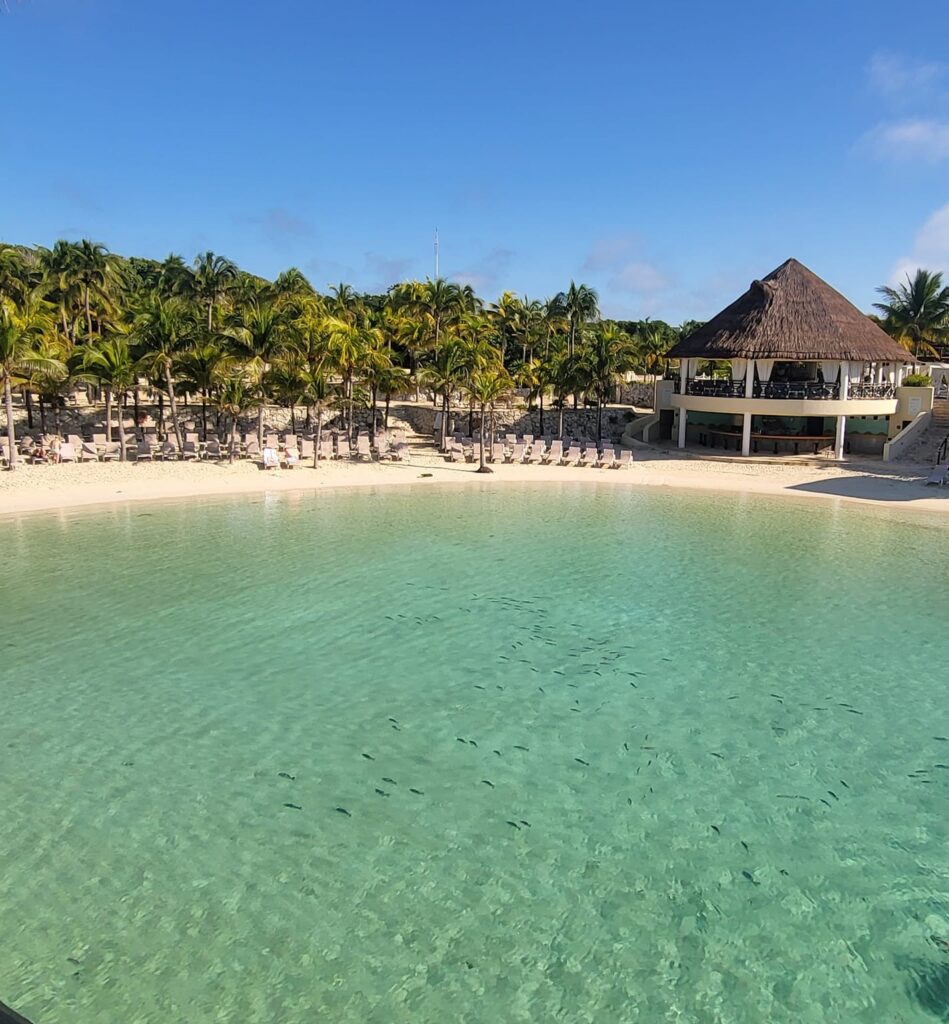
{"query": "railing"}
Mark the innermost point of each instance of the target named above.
(802, 390)
(941, 451)
(715, 387)
(797, 389)
(871, 391)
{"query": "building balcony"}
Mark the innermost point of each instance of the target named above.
(801, 391)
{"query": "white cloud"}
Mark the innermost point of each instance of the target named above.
(930, 248)
(918, 139)
(607, 252)
(638, 276)
(895, 75)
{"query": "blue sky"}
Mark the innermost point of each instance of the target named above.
(665, 153)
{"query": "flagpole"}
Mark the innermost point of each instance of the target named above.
(436, 254)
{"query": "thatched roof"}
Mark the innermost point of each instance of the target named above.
(791, 314)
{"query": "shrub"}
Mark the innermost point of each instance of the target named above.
(918, 380)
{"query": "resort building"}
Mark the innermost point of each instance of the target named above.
(790, 367)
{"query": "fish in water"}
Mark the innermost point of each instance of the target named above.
(417, 792)
(721, 757)
(460, 740)
(381, 792)
(844, 784)
(395, 720)
(391, 782)
(342, 810)
(580, 760)
(296, 807)
(744, 844)
(833, 794)
(477, 687)
(472, 742)
(517, 746)
(514, 824)
(716, 829)
(939, 941)
(488, 782)
(527, 823)
(750, 877)
(625, 746)
(368, 757)
(286, 775)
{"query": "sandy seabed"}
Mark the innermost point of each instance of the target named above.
(37, 488)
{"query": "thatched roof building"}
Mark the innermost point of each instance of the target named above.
(792, 315)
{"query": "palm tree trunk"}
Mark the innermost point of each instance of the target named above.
(11, 430)
(42, 406)
(233, 439)
(108, 414)
(541, 428)
(28, 405)
(123, 444)
(446, 406)
(293, 420)
(138, 411)
(319, 435)
(481, 465)
(210, 315)
(260, 424)
(561, 417)
(599, 419)
(176, 426)
(385, 421)
(372, 422)
(204, 414)
(161, 415)
(88, 311)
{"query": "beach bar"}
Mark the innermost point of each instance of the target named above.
(788, 368)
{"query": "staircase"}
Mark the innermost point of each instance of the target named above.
(415, 423)
(924, 450)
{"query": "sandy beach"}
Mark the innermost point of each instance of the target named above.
(39, 488)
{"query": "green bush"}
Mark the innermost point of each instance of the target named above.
(918, 380)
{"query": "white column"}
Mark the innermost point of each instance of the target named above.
(684, 365)
(746, 418)
(839, 440)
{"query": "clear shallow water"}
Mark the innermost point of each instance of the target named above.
(747, 841)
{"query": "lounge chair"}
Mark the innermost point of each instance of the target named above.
(363, 451)
(572, 456)
(67, 452)
(528, 440)
(588, 455)
(400, 451)
(343, 450)
(144, 451)
(291, 457)
(270, 458)
(169, 450)
(252, 447)
(306, 449)
(212, 450)
(625, 459)
(473, 454)
(607, 458)
(326, 448)
(554, 453)
(456, 452)
(271, 441)
(536, 452)
(517, 452)
(510, 439)
(88, 452)
(290, 441)
(4, 452)
(497, 452)
(75, 440)
(938, 476)
(112, 451)
(190, 450)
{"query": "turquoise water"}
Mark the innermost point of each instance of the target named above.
(678, 758)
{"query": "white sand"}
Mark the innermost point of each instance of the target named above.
(35, 488)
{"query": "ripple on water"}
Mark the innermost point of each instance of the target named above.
(546, 753)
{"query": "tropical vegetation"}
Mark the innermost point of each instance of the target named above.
(230, 343)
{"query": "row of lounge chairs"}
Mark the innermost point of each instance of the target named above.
(552, 452)
(289, 448)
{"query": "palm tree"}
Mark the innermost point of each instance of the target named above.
(199, 370)
(162, 330)
(487, 387)
(605, 358)
(317, 392)
(21, 332)
(111, 365)
(917, 313)
(233, 399)
(350, 345)
(445, 374)
(91, 266)
(581, 304)
(258, 334)
(210, 279)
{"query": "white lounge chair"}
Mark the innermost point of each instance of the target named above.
(554, 453)
(67, 452)
(270, 458)
(625, 459)
(572, 456)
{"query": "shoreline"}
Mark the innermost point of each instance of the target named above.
(36, 489)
